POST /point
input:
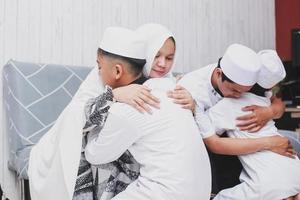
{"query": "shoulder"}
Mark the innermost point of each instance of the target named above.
(198, 76)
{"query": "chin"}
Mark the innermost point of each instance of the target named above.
(156, 76)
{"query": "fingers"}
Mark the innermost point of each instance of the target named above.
(249, 108)
(141, 106)
(248, 127)
(177, 96)
(292, 151)
(255, 129)
(187, 106)
(247, 122)
(150, 99)
(181, 101)
(137, 106)
(246, 117)
(179, 87)
(145, 88)
(178, 77)
(288, 154)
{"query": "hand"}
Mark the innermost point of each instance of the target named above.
(183, 97)
(138, 96)
(178, 77)
(281, 145)
(254, 121)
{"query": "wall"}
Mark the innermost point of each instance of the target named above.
(68, 32)
(287, 18)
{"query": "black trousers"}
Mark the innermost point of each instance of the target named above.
(225, 171)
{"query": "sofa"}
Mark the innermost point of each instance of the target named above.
(33, 96)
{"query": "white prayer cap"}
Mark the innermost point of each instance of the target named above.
(123, 42)
(155, 36)
(240, 64)
(272, 70)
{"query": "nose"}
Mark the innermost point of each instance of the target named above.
(161, 62)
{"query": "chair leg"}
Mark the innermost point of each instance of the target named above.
(1, 192)
(26, 190)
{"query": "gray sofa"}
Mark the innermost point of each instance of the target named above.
(34, 96)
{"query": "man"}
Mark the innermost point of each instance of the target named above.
(122, 62)
(167, 145)
(210, 84)
(266, 175)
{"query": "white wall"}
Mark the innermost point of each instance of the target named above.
(68, 31)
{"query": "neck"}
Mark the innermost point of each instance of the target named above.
(129, 79)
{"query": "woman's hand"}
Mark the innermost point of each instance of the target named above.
(254, 121)
(183, 97)
(138, 96)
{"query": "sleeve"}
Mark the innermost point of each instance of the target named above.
(203, 121)
(96, 110)
(189, 82)
(114, 139)
(221, 116)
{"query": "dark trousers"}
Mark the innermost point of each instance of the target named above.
(225, 171)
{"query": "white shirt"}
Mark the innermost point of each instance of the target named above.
(167, 144)
(198, 83)
(266, 175)
(223, 116)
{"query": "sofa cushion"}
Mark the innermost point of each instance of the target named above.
(34, 95)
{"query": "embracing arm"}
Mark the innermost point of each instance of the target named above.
(183, 97)
(221, 121)
(241, 146)
(138, 96)
(260, 115)
(115, 138)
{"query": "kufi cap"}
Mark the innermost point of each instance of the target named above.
(272, 70)
(123, 42)
(240, 64)
(155, 36)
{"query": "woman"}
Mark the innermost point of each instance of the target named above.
(160, 50)
(161, 57)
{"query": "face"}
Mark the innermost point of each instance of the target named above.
(105, 70)
(232, 90)
(163, 60)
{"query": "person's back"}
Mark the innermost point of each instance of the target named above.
(235, 107)
(270, 175)
(174, 161)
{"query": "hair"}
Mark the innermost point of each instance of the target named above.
(135, 65)
(173, 39)
(224, 77)
(258, 90)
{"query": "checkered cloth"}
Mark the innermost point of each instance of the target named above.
(102, 182)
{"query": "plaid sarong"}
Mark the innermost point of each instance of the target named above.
(102, 182)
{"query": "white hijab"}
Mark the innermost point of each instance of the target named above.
(54, 160)
(155, 36)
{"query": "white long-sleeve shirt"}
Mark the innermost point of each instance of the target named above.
(266, 175)
(199, 85)
(167, 144)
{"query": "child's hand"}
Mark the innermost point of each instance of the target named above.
(138, 96)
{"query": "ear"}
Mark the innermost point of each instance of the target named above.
(219, 72)
(119, 71)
